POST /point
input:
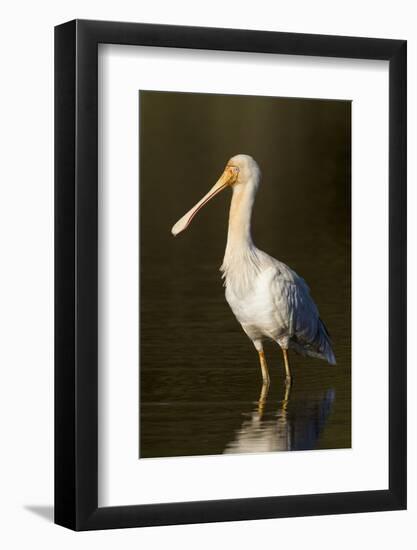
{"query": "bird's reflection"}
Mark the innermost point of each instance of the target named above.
(295, 426)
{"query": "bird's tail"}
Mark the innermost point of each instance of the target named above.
(320, 348)
(325, 344)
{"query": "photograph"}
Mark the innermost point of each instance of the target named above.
(245, 274)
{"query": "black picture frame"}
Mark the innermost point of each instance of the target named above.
(76, 272)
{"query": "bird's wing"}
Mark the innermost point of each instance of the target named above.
(298, 312)
(293, 300)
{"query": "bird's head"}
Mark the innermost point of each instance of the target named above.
(248, 171)
(240, 170)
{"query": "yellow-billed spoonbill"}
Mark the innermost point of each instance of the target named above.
(268, 298)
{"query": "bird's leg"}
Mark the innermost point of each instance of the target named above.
(286, 399)
(287, 366)
(264, 367)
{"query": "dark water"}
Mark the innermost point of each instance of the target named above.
(200, 381)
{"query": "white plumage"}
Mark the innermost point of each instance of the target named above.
(268, 298)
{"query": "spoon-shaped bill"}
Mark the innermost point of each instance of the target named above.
(227, 178)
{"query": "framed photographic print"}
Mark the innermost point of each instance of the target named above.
(230, 275)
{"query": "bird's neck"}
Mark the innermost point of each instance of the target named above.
(239, 232)
(241, 259)
(239, 238)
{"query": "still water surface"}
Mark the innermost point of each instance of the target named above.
(201, 386)
(200, 381)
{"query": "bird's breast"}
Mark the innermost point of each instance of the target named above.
(255, 305)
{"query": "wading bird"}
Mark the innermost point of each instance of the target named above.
(268, 298)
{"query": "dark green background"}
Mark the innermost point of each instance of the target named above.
(199, 373)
